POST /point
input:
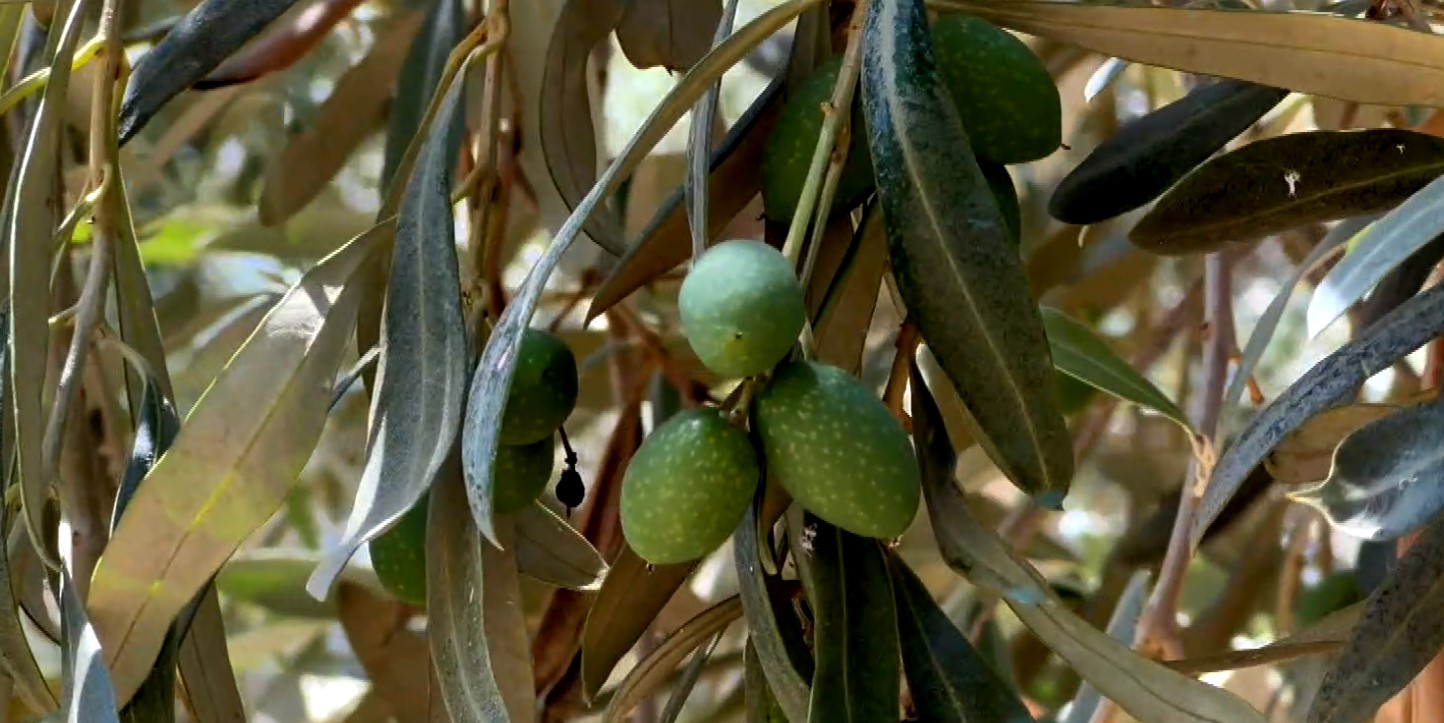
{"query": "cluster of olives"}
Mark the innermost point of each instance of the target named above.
(832, 445)
(542, 396)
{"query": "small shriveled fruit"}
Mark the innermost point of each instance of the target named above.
(838, 450)
(398, 555)
(787, 156)
(1004, 94)
(543, 389)
(522, 473)
(742, 308)
(687, 487)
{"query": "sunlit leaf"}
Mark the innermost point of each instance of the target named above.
(673, 34)
(1079, 353)
(1144, 157)
(653, 670)
(355, 109)
(1387, 64)
(550, 550)
(1376, 251)
(494, 372)
(949, 679)
(232, 465)
(1331, 381)
(208, 34)
(30, 206)
(90, 695)
(1140, 686)
(1288, 181)
(1388, 475)
(630, 598)
(956, 265)
(569, 138)
(1395, 638)
(422, 374)
(477, 627)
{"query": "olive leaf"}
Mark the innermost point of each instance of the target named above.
(1288, 181)
(773, 634)
(494, 372)
(207, 35)
(1388, 475)
(231, 466)
(1147, 155)
(1123, 627)
(90, 694)
(630, 598)
(733, 181)
(1331, 381)
(1080, 354)
(1397, 635)
(275, 579)
(1142, 687)
(1327, 635)
(477, 628)
(851, 298)
(1387, 64)
(1375, 251)
(654, 669)
(422, 374)
(673, 34)
(418, 80)
(957, 268)
(949, 679)
(569, 139)
(550, 550)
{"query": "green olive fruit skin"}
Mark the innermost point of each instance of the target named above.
(543, 389)
(742, 308)
(1006, 194)
(790, 146)
(398, 555)
(521, 473)
(838, 450)
(1005, 97)
(687, 487)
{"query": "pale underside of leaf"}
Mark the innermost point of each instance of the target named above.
(1306, 52)
(232, 465)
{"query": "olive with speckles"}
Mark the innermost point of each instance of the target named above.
(399, 555)
(742, 308)
(522, 474)
(1004, 94)
(543, 389)
(687, 487)
(838, 450)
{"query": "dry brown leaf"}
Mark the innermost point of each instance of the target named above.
(673, 34)
(1307, 455)
(396, 660)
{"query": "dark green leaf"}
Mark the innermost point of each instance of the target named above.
(550, 550)
(1399, 633)
(477, 629)
(957, 269)
(781, 652)
(856, 633)
(492, 380)
(1289, 181)
(630, 598)
(1143, 158)
(1146, 690)
(734, 180)
(1377, 250)
(422, 376)
(1080, 354)
(207, 35)
(90, 697)
(1388, 475)
(568, 134)
(949, 679)
(417, 83)
(762, 707)
(1328, 383)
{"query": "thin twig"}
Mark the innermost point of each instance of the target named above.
(1158, 626)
